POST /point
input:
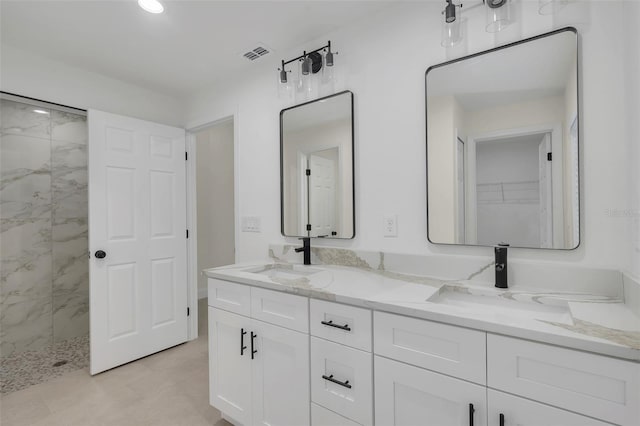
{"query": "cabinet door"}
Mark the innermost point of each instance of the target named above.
(280, 370)
(523, 412)
(229, 371)
(407, 395)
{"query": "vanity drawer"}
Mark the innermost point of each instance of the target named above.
(343, 364)
(320, 416)
(447, 349)
(286, 310)
(589, 384)
(229, 296)
(341, 324)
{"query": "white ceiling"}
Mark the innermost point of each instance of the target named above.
(191, 46)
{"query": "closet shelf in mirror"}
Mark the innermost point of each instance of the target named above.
(522, 192)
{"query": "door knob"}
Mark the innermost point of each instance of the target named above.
(100, 254)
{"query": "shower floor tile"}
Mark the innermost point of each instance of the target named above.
(24, 369)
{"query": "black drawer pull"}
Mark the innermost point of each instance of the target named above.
(253, 351)
(471, 411)
(501, 419)
(331, 324)
(242, 346)
(337, 382)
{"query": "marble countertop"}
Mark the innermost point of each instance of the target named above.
(596, 323)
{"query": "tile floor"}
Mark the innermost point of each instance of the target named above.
(168, 388)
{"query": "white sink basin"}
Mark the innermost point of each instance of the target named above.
(499, 304)
(287, 272)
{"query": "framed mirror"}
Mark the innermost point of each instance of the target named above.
(316, 168)
(502, 146)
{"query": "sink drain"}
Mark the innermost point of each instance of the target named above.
(60, 363)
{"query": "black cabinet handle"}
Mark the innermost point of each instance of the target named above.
(331, 324)
(501, 419)
(242, 346)
(471, 411)
(253, 351)
(100, 254)
(337, 382)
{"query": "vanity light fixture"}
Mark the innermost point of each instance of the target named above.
(311, 62)
(451, 26)
(498, 15)
(151, 6)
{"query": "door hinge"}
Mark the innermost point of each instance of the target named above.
(188, 311)
(549, 156)
(187, 233)
(308, 227)
(308, 172)
(186, 156)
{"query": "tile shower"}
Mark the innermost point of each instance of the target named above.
(44, 288)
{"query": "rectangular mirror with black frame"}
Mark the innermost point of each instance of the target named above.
(316, 168)
(502, 146)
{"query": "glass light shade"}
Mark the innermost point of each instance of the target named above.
(285, 90)
(327, 77)
(451, 33)
(550, 7)
(498, 18)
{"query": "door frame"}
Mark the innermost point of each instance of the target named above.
(192, 217)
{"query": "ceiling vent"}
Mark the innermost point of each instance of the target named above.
(257, 52)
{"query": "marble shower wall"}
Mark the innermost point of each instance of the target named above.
(44, 287)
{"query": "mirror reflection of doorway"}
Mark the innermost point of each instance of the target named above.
(514, 191)
(322, 182)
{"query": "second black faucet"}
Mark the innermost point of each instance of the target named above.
(306, 248)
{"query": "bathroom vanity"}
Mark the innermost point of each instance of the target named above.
(357, 339)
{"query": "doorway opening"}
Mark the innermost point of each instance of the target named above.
(514, 190)
(212, 204)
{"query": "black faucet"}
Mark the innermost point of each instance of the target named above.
(501, 265)
(306, 248)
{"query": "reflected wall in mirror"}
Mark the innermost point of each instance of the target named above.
(502, 146)
(316, 168)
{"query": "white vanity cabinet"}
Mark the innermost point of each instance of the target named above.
(282, 359)
(258, 372)
(408, 396)
(530, 384)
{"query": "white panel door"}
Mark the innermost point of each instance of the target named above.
(409, 396)
(280, 375)
(322, 196)
(509, 410)
(230, 364)
(137, 218)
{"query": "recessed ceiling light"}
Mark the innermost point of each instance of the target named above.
(40, 111)
(151, 6)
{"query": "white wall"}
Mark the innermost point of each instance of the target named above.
(384, 59)
(632, 110)
(26, 74)
(215, 198)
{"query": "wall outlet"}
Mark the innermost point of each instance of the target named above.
(250, 224)
(390, 226)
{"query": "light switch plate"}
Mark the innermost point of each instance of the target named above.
(250, 224)
(390, 226)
